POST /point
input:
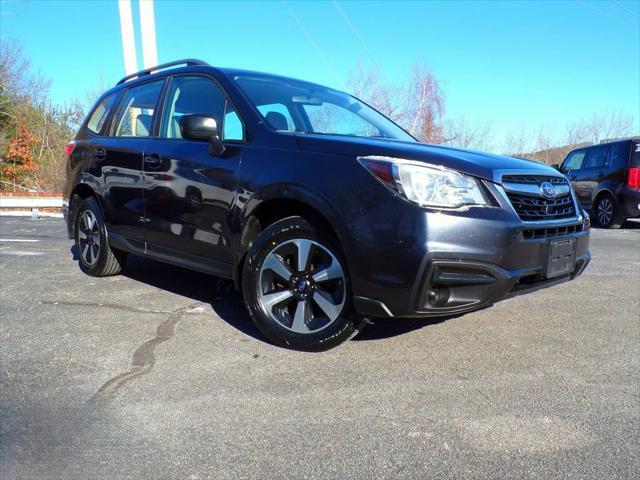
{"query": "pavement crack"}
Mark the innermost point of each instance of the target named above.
(143, 358)
(114, 306)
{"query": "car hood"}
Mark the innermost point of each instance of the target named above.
(484, 165)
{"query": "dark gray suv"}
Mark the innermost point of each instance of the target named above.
(322, 210)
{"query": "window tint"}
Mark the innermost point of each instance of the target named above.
(574, 161)
(619, 155)
(199, 95)
(597, 157)
(101, 112)
(334, 119)
(278, 117)
(135, 112)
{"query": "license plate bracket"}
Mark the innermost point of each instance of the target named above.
(562, 257)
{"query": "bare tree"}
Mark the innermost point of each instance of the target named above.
(517, 143)
(462, 133)
(600, 128)
(417, 104)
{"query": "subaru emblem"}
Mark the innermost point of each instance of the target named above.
(548, 190)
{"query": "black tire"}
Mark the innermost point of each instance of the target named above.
(606, 212)
(282, 234)
(95, 255)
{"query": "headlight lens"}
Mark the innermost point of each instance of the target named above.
(425, 185)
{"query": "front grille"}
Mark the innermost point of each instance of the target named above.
(530, 208)
(527, 200)
(537, 179)
(536, 233)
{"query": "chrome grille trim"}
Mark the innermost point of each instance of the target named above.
(526, 191)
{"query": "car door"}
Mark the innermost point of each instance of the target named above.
(189, 193)
(594, 170)
(572, 166)
(118, 160)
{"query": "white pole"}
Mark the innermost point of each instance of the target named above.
(148, 33)
(128, 40)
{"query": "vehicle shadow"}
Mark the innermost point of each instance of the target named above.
(220, 293)
(228, 304)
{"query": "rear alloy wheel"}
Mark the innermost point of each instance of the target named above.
(607, 212)
(95, 256)
(296, 287)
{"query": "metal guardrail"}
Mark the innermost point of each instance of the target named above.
(30, 205)
(30, 202)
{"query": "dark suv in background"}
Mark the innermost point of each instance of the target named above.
(606, 179)
(322, 210)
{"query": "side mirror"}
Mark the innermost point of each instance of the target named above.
(556, 166)
(205, 128)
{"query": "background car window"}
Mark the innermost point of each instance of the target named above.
(619, 155)
(199, 95)
(101, 112)
(574, 161)
(135, 112)
(333, 119)
(277, 116)
(597, 157)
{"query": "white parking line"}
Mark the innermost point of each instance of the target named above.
(20, 253)
(18, 240)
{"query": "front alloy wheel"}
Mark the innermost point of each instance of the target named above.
(302, 286)
(296, 287)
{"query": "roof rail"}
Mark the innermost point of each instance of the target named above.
(148, 71)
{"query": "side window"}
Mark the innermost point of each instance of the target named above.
(134, 115)
(199, 95)
(597, 157)
(101, 112)
(619, 155)
(574, 161)
(278, 116)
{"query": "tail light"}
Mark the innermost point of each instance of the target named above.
(68, 150)
(633, 178)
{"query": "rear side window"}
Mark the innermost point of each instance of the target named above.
(101, 112)
(134, 115)
(199, 95)
(597, 157)
(620, 155)
(574, 161)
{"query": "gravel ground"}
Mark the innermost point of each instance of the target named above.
(159, 373)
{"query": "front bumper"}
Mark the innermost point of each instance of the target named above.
(461, 262)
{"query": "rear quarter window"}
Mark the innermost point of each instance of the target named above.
(101, 112)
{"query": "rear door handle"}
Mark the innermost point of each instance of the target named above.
(100, 154)
(153, 161)
(600, 174)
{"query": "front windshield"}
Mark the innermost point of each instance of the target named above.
(295, 106)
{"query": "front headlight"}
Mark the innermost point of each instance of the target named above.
(427, 186)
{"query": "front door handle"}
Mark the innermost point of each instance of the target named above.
(100, 154)
(600, 174)
(152, 161)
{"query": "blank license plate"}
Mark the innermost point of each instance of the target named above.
(562, 257)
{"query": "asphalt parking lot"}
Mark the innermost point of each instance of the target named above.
(159, 373)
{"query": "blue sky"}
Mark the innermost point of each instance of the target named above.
(507, 63)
